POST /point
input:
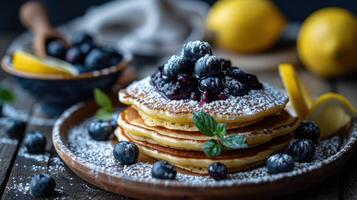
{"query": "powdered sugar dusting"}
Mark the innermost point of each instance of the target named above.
(256, 101)
(98, 157)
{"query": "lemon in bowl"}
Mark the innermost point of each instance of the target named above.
(245, 26)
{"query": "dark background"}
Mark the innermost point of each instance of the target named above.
(64, 10)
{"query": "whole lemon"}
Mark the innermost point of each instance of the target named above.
(327, 42)
(245, 26)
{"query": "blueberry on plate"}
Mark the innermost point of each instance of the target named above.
(308, 130)
(86, 47)
(211, 84)
(126, 153)
(252, 82)
(74, 55)
(236, 73)
(42, 185)
(301, 150)
(208, 66)
(184, 79)
(35, 142)
(194, 50)
(80, 38)
(100, 130)
(225, 63)
(217, 171)
(56, 48)
(96, 59)
(163, 170)
(13, 128)
(174, 66)
(114, 57)
(280, 162)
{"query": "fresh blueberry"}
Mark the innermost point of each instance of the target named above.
(56, 48)
(12, 127)
(236, 73)
(176, 65)
(100, 130)
(211, 84)
(96, 59)
(308, 130)
(301, 150)
(280, 162)
(114, 121)
(42, 185)
(235, 87)
(217, 171)
(74, 55)
(208, 66)
(35, 142)
(114, 57)
(126, 152)
(194, 50)
(252, 82)
(81, 38)
(163, 170)
(86, 47)
(225, 63)
(184, 79)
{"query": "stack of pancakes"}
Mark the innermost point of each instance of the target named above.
(163, 128)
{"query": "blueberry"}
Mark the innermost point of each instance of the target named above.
(208, 66)
(82, 68)
(211, 84)
(96, 59)
(217, 171)
(100, 130)
(126, 152)
(176, 65)
(301, 150)
(184, 79)
(12, 127)
(194, 50)
(308, 130)
(35, 142)
(236, 73)
(86, 47)
(80, 38)
(42, 185)
(56, 48)
(252, 82)
(114, 57)
(235, 87)
(74, 55)
(225, 63)
(280, 162)
(163, 170)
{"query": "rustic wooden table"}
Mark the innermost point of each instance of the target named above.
(16, 168)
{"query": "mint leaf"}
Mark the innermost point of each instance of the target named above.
(103, 114)
(204, 123)
(221, 130)
(103, 100)
(234, 141)
(6, 96)
(212, 148)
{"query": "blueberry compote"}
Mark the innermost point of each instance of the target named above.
(198, 75)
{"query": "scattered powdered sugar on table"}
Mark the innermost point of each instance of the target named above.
(98, 156)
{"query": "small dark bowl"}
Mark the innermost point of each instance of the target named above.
(55, 93)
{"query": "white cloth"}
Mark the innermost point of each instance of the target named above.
(147, 27)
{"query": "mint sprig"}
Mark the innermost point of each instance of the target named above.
(106, 109)
(6, 96)
(220, 140)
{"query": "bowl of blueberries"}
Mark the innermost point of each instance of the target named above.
(97, 67)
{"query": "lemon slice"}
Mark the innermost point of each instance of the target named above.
(299, 96)
(331, 112)
(27, 62)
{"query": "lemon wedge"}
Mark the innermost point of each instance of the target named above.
(299, 96)
(30, 63)
(331, 112)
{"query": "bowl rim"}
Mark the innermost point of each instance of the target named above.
(6, 65)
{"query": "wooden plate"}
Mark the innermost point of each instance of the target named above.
(267, 186)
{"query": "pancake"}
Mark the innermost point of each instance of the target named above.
(259, 133)
(254, 106)
(182, 126)
(197, 161)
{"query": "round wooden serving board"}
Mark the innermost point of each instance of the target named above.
(145, 187)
